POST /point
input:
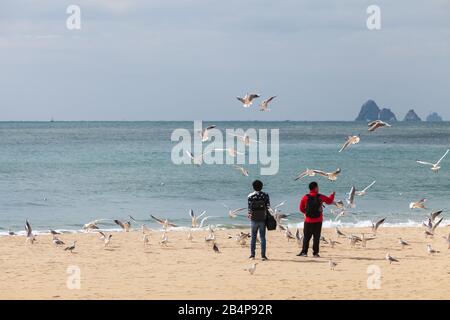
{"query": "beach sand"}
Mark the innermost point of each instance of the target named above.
(192, 270)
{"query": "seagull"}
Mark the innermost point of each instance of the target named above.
(124, 225)
(339, 204)
(31, 238)
(403, 243)
(332, 176)
(351, 140)
(211, 237)
(428, 234)
(390, 259)
(53, 232)
(216, 248)
(252, 269)
(231, 151)
(435, 166)
(433, 228)
(299, 238)
(190, 237)
(165, 223)
(233, 213)
(242, 169)
(374, 125)
(351, 198)
(307, 173)
(264, 105)
(145, 239)
(362, 193)
(71, 248)
(164, 239)
(245, 138)
(204, 133)
(247, 100)
(364, 240)
(340, 233)
(107, 240)
(57, 242)
(194, 218)
(431, 250)
(418, 205)
(332, 264)
(11, 233)
(376, 225)
(92, 225)
(434, 215)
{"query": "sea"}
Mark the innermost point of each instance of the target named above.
(61, 175)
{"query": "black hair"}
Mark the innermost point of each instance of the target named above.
(257, 185)
(313, 185)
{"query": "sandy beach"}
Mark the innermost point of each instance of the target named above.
(192, 270)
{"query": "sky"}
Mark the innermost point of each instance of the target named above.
(189, 59)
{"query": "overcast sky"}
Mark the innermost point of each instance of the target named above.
(189, 59)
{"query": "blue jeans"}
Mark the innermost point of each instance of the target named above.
(261, 226)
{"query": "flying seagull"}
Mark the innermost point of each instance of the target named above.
(265, 104)
(435, 166)
(351, 140)
(124, 225)
(376, 225)
(306, 173)
(231, 151)
(196, 160)
(165, 223)
(194, 218)
(92, 225)
(374, 125)
(245, 138)
(364, 191)
(332, 176)
(351, 198)
(204, 133)
(243, 171)
(434, 215)
(233, 213)
(31, 238)
(247, 100)
(418, 205)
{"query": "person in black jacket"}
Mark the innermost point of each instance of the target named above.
(258, 203)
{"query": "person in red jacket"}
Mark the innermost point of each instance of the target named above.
(311, 206)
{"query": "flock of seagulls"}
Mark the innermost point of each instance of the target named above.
(247, 101)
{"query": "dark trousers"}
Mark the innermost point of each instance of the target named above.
(311, 230)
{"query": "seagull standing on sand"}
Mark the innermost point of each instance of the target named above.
(145, 239)
(252, 269)
(435, 167)
(247, 100)
(215, 248)
(332, 264)
(403, 243)
(164, 239)
(71, 248)
(30, 236)
(265, 104)
(190, 237)
(340, 233)
(418, 205)
(57, 242)
(374, 125)
(299, 238)
(390, 259)
(351, 140)
(11, 233)
(363, 192)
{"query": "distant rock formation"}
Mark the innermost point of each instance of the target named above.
(434, 117)
(387, 115)
(369, 112)
(412, 116)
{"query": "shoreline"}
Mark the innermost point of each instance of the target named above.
(192, 270)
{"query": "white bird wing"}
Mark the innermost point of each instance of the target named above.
(202, 214)
(346, 144)
(426, 163)
(369, 186)
(280, 204)
(440, 160)
(323, 173)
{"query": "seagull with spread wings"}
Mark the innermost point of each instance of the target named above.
(435, 167)
(351, 140)
(264, 106)
(247, 100)
(374, 125)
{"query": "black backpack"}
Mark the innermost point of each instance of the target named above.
(313, 206)
(271, 223)
(258, 210)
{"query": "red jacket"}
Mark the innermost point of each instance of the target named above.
(324, 199)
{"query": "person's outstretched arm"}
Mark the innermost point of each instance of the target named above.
(328, 200)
